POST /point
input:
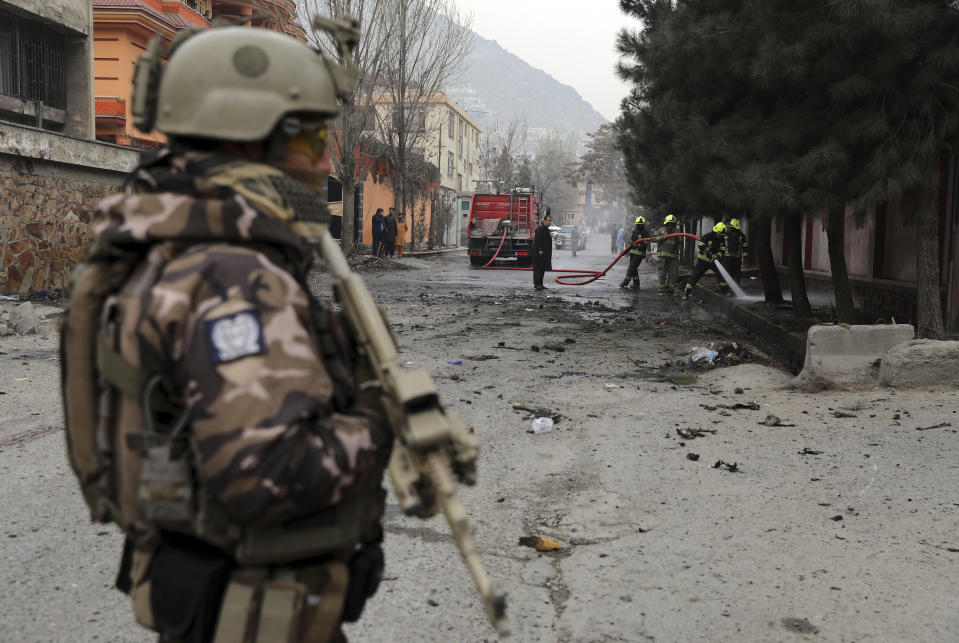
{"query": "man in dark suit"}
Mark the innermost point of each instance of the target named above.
(542, 251)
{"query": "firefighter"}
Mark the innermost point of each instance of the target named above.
(711, 248)
(637, 252)
(736, 249)
(667, 251)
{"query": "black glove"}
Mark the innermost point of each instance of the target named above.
(366, 570)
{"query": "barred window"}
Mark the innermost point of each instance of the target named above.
(32, 61)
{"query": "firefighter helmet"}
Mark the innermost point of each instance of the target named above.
(734, 223)
(720, 228)
(640, 221)
(670, 219)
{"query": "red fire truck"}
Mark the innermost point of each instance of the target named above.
(515, 213)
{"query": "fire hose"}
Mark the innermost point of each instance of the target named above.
(583, 277)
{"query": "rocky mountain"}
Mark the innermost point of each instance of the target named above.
(498, 86)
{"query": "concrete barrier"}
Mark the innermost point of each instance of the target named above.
(922, 362)
(849, 353)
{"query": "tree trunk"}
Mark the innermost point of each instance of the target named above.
(346, 221)
(431, 239)
(797, 280)
(836, 235)
(764, 258)
(928, 305)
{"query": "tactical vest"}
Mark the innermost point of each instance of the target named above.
(128, 438)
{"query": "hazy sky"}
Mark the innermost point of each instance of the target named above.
(571, 41)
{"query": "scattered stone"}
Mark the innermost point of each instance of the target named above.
(23, 319)
(432, 603)
(808, 451)
(843, 414)
(836, 518)
(692, 456)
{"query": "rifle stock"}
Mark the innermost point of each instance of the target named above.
(433, 448)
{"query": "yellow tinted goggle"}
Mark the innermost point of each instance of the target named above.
(311, 142)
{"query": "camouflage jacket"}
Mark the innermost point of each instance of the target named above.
(230, 323)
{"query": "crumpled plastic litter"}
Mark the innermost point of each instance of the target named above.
(700, 353)
(542, 425)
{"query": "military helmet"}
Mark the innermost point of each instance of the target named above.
(734, 223)
(720, 228)
(670, 218)
(640, 221)
(237, 83)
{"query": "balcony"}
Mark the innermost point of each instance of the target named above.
(111, 112)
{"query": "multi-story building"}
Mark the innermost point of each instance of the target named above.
(445, 135)
(123, 28)
(51, 173)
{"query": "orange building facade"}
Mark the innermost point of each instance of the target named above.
(122, 29)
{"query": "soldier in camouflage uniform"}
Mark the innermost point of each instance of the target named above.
(260, 519)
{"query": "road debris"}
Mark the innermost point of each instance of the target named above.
(542, 425)
(843, 414)
(700, 354)
(692, 456)
(537, 411)
(733, 468)
(539, 543)
(692, 434)
(808, 451)
(836, 518)
(934, 426)
(773, 420)
(752, 406)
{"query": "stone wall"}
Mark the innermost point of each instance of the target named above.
(47, 196)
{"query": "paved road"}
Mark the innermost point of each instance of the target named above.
(655, 546)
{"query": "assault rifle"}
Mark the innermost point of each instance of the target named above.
(433, 448)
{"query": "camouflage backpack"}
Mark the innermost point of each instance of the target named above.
(147, 482)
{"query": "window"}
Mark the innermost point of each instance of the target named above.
(450, 127)
(32, 62)
(459, 182)
(415, 118)
(449, 165)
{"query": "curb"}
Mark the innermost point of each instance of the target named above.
(769, 337)
(431, 253)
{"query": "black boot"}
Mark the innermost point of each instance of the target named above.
(624, 282)
(635, 284)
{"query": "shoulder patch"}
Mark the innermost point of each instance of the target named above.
(235, 336)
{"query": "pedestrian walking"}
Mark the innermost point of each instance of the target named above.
(620, 240)
(378, 228)
(737, 247)
(613, 230)
(637, 252)
(389, 238)
(542, 251)
(234, 444)
(401, 229)
(711, 247)
(667, 252)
